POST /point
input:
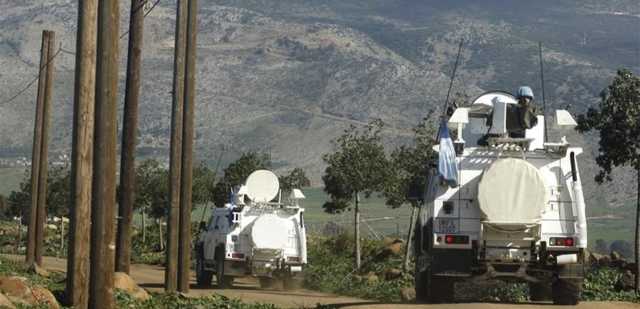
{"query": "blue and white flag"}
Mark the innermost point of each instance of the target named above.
(447, 166)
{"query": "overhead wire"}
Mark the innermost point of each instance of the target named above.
(62, 50)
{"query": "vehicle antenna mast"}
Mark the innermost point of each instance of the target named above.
(453, 77)
(544, 101)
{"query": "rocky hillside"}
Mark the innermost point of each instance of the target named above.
(287, 76)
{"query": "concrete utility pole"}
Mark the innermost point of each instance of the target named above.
(184, 258)
(39, 165)
(101, 294)
(35, 152)
(129, 135)
(175, 163)
(77, 288)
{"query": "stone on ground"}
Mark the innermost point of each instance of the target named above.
(123, 282)
(39, 271)
(45, 297)
(17, 290)
(392, 274)
(5, 302)
(408, 294)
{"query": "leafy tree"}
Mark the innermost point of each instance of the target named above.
(297, 178)
(359, 165)
(4, 205)
(410, 166)
(601, 246)
(58, 194)
(236, 173)
(623, 247)
(618, 121)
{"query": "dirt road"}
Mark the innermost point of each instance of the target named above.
(152, 278)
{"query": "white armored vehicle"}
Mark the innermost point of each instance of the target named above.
(254, 236)
(516, 211)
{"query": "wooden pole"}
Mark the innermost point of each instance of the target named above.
(101, 294)
(77, 288)
(35, 152)
(44, 150)
(407, 248)
(129, 135)
(357, 231)
(171, 279)
(184, 242)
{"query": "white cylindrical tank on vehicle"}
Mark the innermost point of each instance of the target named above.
(512, 191)
(270, 231)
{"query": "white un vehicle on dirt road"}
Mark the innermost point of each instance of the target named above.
(517, 213)
(253, 236)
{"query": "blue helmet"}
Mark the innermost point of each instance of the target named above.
(524, 92)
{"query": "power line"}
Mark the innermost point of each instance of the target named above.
(34, 80)
(60, 49)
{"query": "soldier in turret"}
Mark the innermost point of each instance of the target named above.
(522, 116)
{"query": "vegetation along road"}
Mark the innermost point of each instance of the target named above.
(152, 278)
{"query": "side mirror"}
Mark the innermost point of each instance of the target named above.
(202, 226)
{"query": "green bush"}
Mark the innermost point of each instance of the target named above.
(177, 301)
(599, 285)
(331, 265)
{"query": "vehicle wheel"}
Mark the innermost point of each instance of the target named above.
(293, 282)
(539, 291)
(440, 290)
(224, 282)
(203, 276)
(267, 282)
(421, 284)
(566, 291)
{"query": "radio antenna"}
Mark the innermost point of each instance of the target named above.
(544, 101)
(453, 77)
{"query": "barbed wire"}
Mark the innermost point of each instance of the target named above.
(61, 49)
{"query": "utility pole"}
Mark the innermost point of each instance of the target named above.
(77, 288)
(39, 165)
(129, 135)
(35, 152)
(184, 243)
(101, 293)
(44, 150)
(171, 279)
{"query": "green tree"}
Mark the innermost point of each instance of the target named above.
(359, 165)
(601, 246)
(618, 121)
(410, 169)
(297, 178)
(58, 194)
(4, 206)
(236, 173)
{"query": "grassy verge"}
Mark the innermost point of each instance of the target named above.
(55, 283)
(331, 270)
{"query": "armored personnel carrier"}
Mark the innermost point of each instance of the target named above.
(515, 210)
(257, 234)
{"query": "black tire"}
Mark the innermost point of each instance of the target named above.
(203, 276)
(267, 282)
(223, 282)
(540, 291)
(566, 291)
(421, 285)
(440, 290)
(293, 283)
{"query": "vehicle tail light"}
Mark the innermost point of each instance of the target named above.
(293, 259)
(456, 239)
(562, 241)
(237, 255)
